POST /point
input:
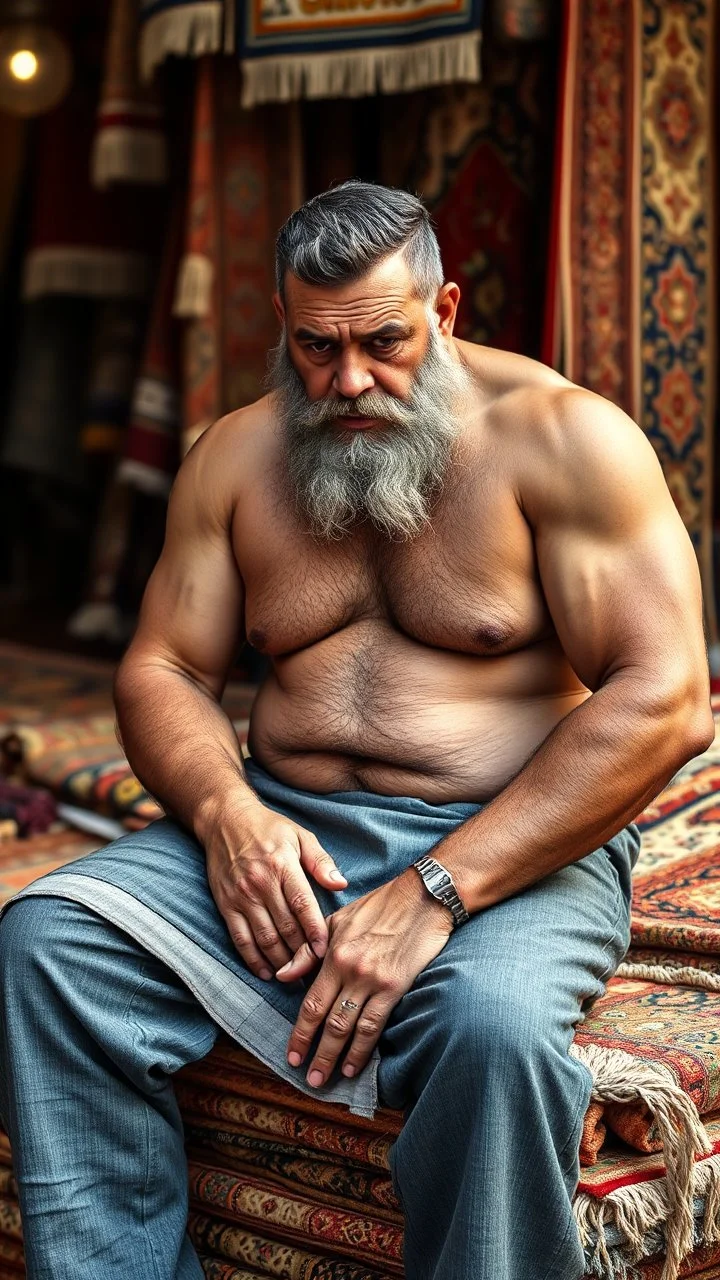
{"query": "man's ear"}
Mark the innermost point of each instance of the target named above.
(446, 306)
(279, 307)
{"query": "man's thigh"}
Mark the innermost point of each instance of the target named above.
(517, 975)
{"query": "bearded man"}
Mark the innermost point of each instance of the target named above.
(483, 619)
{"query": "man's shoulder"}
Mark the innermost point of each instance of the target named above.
(538, 407)
(228, 448)
(240, 429)
(223, 461)
(559, 442)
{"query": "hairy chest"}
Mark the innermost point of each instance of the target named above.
(468, 584)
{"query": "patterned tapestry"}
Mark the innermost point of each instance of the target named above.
(474, 153)
(631, 313)
(240, 194)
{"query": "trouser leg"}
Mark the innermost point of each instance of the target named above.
(91, 1029)
(477, 1054)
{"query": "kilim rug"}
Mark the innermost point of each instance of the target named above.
(475, 154)
(632, 314)
(295, 48)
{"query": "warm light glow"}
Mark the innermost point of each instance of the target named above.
(24, 64)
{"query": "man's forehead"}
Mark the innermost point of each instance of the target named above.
(382, 295)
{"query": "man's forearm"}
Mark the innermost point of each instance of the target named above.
(179, 742)
(591, 776)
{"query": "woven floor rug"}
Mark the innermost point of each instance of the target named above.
(38, 685)
(633, 312)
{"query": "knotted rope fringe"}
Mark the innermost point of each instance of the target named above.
(620, 1077)
(669, 974)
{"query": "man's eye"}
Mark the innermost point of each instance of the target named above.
(385, 344)
(319, 348)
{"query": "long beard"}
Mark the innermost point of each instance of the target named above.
(390, 474)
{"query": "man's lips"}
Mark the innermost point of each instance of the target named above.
(356, 424)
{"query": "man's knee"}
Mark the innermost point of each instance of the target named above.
(38, 935)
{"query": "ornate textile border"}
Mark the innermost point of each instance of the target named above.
(633, 230)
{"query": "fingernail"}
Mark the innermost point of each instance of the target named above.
(348, 1069)
(315, 1078)
(284, 967)
(266, 974)
(336, 875)
(294, 1059)
(319, 947)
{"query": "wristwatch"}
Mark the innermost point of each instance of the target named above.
(440, 884)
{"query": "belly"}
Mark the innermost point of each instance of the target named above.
(370, 709)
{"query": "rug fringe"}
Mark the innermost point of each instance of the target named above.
(187, 29)
(636, 1210)
(362, 72)
(620, 1077)
(193, 291)
(681, 975)
(124, 154)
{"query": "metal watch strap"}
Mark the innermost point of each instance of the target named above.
(440, 884)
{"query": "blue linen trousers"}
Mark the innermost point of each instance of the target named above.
(118, 970)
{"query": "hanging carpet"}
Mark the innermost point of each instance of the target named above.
(631, 311)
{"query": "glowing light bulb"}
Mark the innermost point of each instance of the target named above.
(23, 64)
(35, 68)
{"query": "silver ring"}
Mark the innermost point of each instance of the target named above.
(348, 1004)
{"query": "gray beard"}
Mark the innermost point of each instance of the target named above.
(389, 474)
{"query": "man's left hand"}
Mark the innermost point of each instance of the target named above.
(377, 947)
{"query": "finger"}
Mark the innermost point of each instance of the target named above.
(316, 1005)
(339, 1026)
(242, 936)
(305, 907)
(302, 963)
(266, 935)
(319, 863)
(286, 924)
(368, 1029)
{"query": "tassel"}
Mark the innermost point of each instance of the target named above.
(193, 291)
(620, 1077)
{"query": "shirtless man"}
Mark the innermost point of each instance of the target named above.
(484, 623)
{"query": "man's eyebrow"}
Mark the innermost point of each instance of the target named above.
(391, 329)
(307, 335)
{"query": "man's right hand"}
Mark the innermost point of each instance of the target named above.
(257, 862)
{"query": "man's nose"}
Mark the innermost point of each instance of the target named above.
(352, 377)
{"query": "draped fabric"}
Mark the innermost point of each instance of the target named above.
(129, 144)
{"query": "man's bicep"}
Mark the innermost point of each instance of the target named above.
(617, 567)
(192, 612)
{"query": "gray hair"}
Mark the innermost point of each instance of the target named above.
(337, 236)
